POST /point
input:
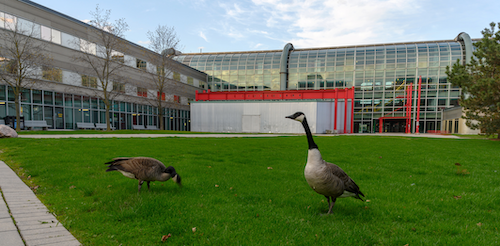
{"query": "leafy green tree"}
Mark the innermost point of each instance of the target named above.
(480, 83)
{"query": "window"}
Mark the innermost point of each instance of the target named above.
(28, 28)
(118, 56)
(53, 74)
(177, 76)
(162, 95)
(70, 41)
(160, 71)
(2, 20)
(142, 92)
(118, 87)
(10, 22)
(89, 81)
(56, 36)
(46, 33)
(140, 64)
(8, 65)
(88, 47)
(190, 81)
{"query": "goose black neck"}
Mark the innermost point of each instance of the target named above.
(310, 141)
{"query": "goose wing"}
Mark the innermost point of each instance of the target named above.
(141, 167)
(349, 184)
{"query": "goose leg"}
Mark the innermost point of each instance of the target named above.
(140, 185)
(148, 185)
(328, 200)
(331, 205)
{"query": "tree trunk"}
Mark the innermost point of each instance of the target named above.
(108, 123)
(162, 121)
(18, 113)
(160, 115)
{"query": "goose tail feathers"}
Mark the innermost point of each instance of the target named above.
(114, 165)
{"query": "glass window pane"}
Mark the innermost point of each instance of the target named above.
(37, 112)
(2, 92)
(46, 33)
(2, 18)
(68, 100)
(10, 22)
(47, 98)
(70, 41)
(56, 37)
(37, 96)
(59, 98)
(26, 111)
(78, 102)
(68, 118)
(25, 96)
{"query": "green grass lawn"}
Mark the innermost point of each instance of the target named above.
(252, 191)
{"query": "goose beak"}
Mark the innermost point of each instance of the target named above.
(289, 117)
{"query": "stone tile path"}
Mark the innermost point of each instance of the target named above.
(29, 219)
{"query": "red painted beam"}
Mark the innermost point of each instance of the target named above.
(347, 93)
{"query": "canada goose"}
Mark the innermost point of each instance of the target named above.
(325, 178)
(143, 169)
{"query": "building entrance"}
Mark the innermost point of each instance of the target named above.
(392, 125)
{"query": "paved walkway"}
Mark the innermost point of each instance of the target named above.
(33, 222)
(221, 135)
(34, 225)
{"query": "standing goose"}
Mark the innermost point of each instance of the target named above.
(325, 178)
(143, 169)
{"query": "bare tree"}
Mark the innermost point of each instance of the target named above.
(104, 59)
(165, 80)
(22, 57)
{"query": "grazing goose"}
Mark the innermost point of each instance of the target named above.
(143, 169)
(325, 178)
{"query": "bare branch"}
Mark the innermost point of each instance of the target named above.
(103, 56)
(22, 57)
(165, 80)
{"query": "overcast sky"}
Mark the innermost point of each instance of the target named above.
(246, 25)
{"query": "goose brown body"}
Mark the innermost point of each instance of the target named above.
(143, 169)
(323, 177)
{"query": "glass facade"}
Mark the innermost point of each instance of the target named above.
(380, 75)
(238, 72)
(64, 110)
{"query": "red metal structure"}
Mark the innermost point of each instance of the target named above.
(345, 94)
(418, 105)
(407, 107)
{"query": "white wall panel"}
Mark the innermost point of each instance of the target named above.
(263, 117)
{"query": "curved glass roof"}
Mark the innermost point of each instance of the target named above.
(328, 68)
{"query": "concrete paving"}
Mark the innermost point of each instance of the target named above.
(24, 220)
(220, 135)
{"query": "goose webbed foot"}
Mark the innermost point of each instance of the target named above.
(148, 185)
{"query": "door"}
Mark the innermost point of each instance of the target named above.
(49, 116)
(59, 116)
